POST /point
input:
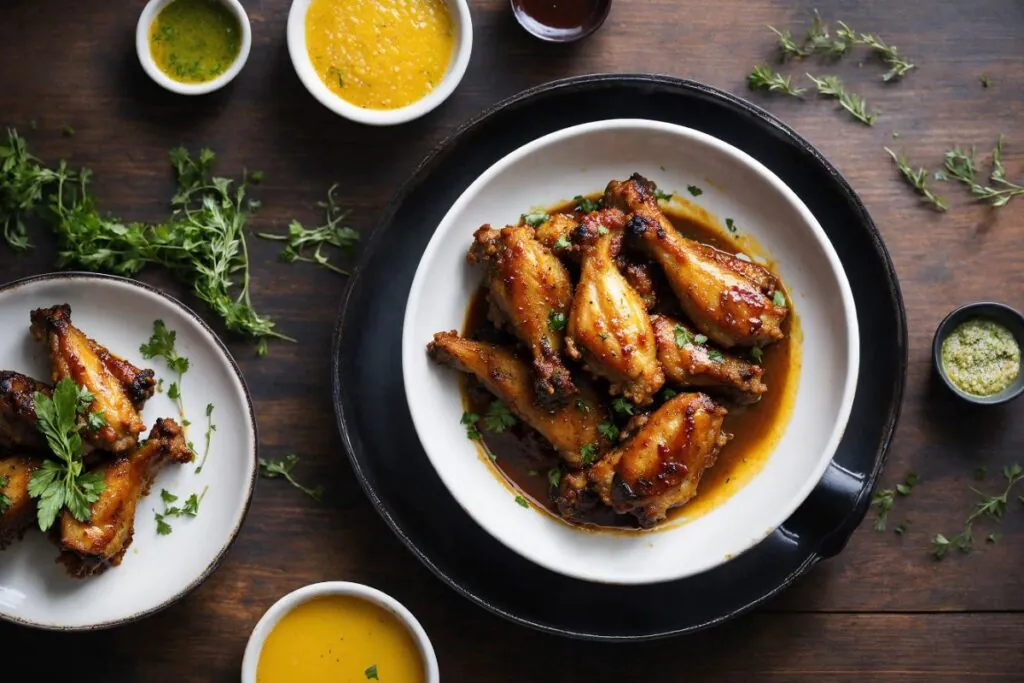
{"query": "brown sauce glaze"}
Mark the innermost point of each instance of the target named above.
(523, 458)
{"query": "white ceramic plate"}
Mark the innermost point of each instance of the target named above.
(156, 570)
(583, 159)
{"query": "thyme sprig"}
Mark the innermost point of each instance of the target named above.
(960, 164)
(917, 179)
(832, 86)
(764, 78)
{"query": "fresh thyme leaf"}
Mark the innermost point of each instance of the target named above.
(498, 418)
(272, 469)
(787, 45)
(993, 506)
(917, 179)
(521, 502)
(332, 233)
(883, 500)
(588, 454)
(662, 196)
(832, 86)
(682, 336)
(555, 477)
(210, 429)
(472, 432)
(556, 321)
(161, 344)
(563, 243)
(694, 190)
(621, 405)
(818, 40)
(586, 205)
(764, 78)
(536, 218)
(897, 63)
(960, 165)
(908, 485)
(609, 431)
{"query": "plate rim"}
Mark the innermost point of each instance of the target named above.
(222, 553)
(829, 544)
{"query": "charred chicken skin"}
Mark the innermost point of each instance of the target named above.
(570, 428)
(18, 411)
(728, 299)
(609, 328)
(661, 466)
(17, 509)
(75, 356)
(530, 294)
(689, 364)
(93, 546)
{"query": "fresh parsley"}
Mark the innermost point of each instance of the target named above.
(498, 418)
(555, 477)
(716, 356)
(582, 406)
(700, 339)
(694, 190)
(472, 431)
(210, 429)
(757, 354)
(556, 321)
(332, 233)
(985, 81)
(886, 498)
(23, 183)
(521, 502)
(901, 528)
(272, 469)
(609, 431)
(779, 299)
(993, 506)
(371, 673)
(536, 218)
(5, 502)
(563, 243)
(61, 480)
(189, 509)
(622, 406)
(682, 336)
(662, 196)
(586, 205)
(588, 454)
(668, 394)
(161, 344)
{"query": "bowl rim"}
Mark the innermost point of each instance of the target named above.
(288, 602)
(604, 9)
(299, 54)
(145, 54)
(254, 446)
(410, 347)
(961, 314)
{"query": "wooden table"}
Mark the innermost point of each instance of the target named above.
(881, 611)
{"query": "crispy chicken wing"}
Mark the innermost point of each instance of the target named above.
(661, 466)
(17, 510)
(18, 411)
(729, 300)
(530, 293)
(91, 547)
(569, 428)
(641, 278)
(608, 326)
(74, 355)
(690, 364)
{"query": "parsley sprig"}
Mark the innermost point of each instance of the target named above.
(5, 502)
(917, 179)
(886, 498)
(272, 469)
(190, 508)
(498, 418)
(23, 181)
(993, 506)
(210, 429)
(61, 482)
(300, 239)
(161, 345)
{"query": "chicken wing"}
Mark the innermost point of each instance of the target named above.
(18, 411)
(93, 546)
(556, 233)
(690, 364)
(139, 385)
(571, 429)
(608, 326)
(530, 293)
(74, 355)
(729, 300)
(661, 467)
(17, 510)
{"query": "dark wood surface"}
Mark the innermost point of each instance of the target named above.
(883, 610)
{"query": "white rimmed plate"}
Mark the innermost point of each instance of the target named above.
(583, 159)
(157, 570)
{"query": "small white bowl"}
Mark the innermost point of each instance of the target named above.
(380, 117)
(279, 609)
(150, 12)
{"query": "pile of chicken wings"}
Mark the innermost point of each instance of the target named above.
(600, 324)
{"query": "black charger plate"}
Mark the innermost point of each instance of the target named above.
(397, 476)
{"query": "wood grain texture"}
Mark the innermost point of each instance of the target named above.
(881, 611)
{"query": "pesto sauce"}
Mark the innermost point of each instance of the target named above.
(194, 41)
(981, 357)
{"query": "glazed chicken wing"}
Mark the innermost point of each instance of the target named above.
(569, 428)
(530, 293)
(661, 466)
(18, 411)
(93, 546)
(74, 355)
(608, 327)
(729, 300)
(17, 510)
(690, 364)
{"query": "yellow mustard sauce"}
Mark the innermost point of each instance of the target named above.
(380, 54)
(340, 639)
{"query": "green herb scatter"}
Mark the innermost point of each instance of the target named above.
(694, 190)
(272, 469)
(536, 218)
(371, 673)
(622, 406)
(588, 454)
(161, 344)
(210, 429)
(556, 321)
(586, 205)
(5, 502)
(332, 233)
(521, 502)
(498, 418)
(609, 431)
(472, 431)
(189, 509)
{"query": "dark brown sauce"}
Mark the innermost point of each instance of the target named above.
(560, 20)
(524, 458)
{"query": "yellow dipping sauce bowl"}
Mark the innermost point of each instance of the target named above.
(336, 632)
(380, 62)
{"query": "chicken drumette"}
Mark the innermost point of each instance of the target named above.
(17, 509)
(728, 299)
(572, 429)
(18, 411)
(608, 327)
(530, 293)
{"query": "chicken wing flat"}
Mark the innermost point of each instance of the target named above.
(18, 411)
(556, 233)
(139, 385)
(661, 467)
(728, 299)
(569, 428)
(91, 547)
(608, 326)
(74, 355)
(690, 364)
(530, 293)
(17, 509)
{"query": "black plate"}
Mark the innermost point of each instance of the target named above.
(397, 476)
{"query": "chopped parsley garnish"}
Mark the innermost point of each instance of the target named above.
(582, 406)
(668, 394)
(161, 344)
(993, 506)
(588, 454)
(757, 354)
(666, 196)
(470, 420)
(210, 429)
(189, 509)
(901, 528)
(586, 205)
(885, 499)
(498, 418)
(371, 673)
(5, 502)
(700, 339)
(536, 218)
(682, 336)
(563, 243)
(779, 299)
(300, 239)
(521, 502)
(602, 231)
(730, 224)
(556, 321)
(621, 405)
(272, 469)
(908, 485)
(609, 431)
(694, 190)
(555, 477)
(716, 356)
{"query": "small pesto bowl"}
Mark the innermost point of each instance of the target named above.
(999, 313)
(149, 65)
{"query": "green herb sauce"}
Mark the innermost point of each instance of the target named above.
(981, 357)
(194, 41)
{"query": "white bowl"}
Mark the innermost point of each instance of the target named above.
(156, 571)
(583, 159)
(149, 13)
(380, 117)
(279, 609)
